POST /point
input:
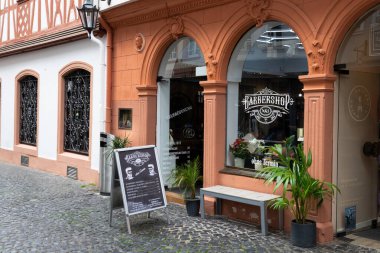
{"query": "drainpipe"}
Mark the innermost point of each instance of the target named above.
(108, 118)
(102, 75)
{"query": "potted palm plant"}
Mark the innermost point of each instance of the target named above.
(118, 142)
(186, 177)
(304, 190)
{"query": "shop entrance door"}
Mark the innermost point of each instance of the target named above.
(180, 123)
(357, 174)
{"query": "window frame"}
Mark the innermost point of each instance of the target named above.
(63, 155)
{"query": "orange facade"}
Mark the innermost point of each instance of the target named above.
(143, 30)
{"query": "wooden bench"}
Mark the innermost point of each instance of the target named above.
(244, 196)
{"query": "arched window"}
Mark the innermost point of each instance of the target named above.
(76, 111)
(265, 99)
(28, 92)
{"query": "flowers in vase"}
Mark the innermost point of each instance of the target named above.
(240, 148)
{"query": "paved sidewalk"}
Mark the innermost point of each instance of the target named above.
(40, 212)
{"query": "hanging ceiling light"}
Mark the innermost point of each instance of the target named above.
(89, 15)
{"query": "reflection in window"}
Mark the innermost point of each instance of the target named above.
(265, 99)
(28, 110)
(193, 49)
(173, 54)
(77, 112)
(182, 59)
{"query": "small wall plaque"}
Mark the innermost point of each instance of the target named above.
(139, 42)
(125, 118)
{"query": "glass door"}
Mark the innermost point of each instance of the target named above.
(357, 174)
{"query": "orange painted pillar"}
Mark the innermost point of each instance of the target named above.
(318, 133)
(214, 134)
(147, 121)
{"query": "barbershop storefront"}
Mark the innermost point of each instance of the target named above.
(192, 77)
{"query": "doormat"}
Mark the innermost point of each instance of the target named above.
(367, 238)
(373, 234)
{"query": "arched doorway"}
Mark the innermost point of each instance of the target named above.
(357, 121)
(180, 110)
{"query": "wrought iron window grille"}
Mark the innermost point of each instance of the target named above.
(77, 112)
(28, 110)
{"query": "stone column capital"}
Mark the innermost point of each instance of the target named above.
(146, 90)
(214, 86)
(318, 82)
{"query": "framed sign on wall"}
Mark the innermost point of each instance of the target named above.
(125, 118)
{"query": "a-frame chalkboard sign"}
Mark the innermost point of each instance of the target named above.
(140, 182)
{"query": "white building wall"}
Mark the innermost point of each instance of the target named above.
(114, 3)
(47, 63)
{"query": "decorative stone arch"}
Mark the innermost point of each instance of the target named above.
(27, 149)
(80, 160)
(75, 65)
(147, 89)
(337, 29)
(242, 21)
(27, 72)
(163, 39)
(317, 85)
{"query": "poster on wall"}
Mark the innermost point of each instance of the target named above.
(350, 218)
(140, 180)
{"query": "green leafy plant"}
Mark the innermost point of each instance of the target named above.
(187, 176)
(240, 148)
(116, 143)
(293, 175)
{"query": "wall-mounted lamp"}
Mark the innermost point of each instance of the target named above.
(89, 15)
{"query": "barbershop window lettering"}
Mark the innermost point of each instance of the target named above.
(125, 118)
(268, 115)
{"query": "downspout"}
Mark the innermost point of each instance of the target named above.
(108, 116)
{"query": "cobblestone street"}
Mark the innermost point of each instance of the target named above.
(41, 212)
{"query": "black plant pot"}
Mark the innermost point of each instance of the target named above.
(304, 235)
(192, 207)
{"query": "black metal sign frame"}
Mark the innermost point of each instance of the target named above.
(140, 180)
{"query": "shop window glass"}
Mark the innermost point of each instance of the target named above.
(28, 110)
(182, 59)
(265, 99)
